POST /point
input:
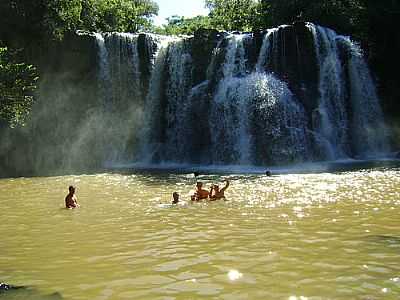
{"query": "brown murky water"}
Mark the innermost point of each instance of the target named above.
(319, 236)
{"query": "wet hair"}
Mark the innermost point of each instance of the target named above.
(71, 188)
(175, 195)
(268, 173)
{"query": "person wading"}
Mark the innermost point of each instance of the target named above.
(71, 201)
(200, 193)
(216, 193)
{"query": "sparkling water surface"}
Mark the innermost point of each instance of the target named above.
(307, 236)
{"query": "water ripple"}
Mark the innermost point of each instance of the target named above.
(312, 236)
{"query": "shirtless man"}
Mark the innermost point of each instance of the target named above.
(200, 193)
(71, 201)
(216, 193)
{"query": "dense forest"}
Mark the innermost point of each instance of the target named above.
(24, 23)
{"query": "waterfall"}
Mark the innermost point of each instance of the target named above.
(152, 136)
(330, 117)
(248, 110)
(104, 68)
(179, 106)
(121, 89)
(350, 118)
(283, 131)
(229, 122)
(267, 44)
(368, 128)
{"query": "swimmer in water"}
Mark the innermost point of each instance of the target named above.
(175, 198)
(200, 193)
(216, 193)
(71, 201)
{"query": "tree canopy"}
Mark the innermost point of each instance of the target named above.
(180, 25)
(231, 15)
(53, 18)
(117, 15)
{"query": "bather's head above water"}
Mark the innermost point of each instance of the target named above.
(175, 197)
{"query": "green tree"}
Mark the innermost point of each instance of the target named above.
(180, 25)
(61, 16)
(342, 15)
(241, 15)
(122, 15)
(21, 19)
(28, 20)
(17, 83)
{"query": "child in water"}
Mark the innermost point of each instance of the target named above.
(216, 193)
(175, 198)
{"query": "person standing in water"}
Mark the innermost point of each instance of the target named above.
(216, 193)
(200, 193)
(71, 201)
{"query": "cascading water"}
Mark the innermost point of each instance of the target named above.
(246, 111)
(229, 115)
(121, 89)
(177, 91)
(263, 57)
(330, 119)
(349, 118)
(104, 69)
(367, 125)
(157, 111)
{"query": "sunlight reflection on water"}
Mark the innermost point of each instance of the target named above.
(315, 235)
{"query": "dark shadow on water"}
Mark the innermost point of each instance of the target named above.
(388, 239)
(201, 171)
(8, 292)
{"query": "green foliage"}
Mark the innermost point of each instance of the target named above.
(241, 15)
(229, 15)
(17, 83)
(119, 15)
(32, 20)
(21, 18)
(184, 26)
(61, 16)
(342, 15)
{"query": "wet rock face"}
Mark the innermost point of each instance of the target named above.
(203, 43)
(293, 59)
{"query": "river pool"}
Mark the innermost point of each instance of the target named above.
(306, 236)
